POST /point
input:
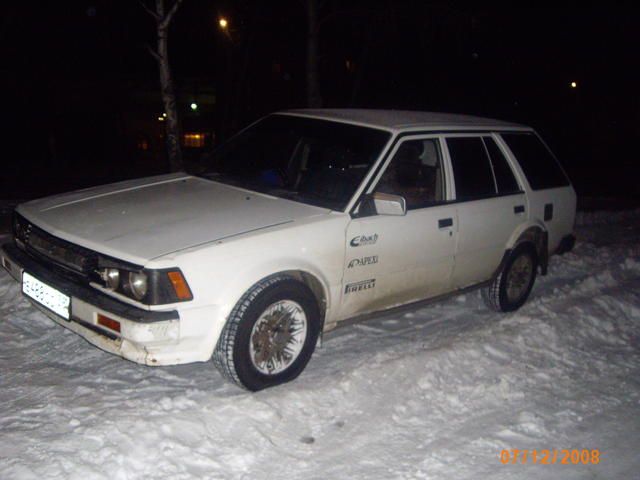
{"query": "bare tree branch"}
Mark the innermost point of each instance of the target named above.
(167, 18)
(149, 11)
(153, 53)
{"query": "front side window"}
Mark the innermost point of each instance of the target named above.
(472, 170)
(317, 162)
(415, 173)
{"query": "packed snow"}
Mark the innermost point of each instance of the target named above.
(435, 393)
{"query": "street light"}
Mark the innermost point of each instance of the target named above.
(574, 84)
(223, 22)
(194, 106)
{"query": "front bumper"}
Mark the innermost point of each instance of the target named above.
(142, 332)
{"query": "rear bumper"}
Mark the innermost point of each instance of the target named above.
(142, 332)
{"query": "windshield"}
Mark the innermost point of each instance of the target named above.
(311, 161)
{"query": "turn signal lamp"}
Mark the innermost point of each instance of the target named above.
(179, 285)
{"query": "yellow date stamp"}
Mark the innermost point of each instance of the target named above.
(550, 457)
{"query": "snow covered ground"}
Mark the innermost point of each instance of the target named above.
(435, 393)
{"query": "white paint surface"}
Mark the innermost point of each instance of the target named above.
(432, 394)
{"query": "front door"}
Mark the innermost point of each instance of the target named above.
(391, 260)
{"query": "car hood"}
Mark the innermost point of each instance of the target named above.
(139, 220)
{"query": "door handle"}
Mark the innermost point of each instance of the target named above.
(518, 209)
(445, 222)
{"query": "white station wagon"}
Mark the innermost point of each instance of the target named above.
(302, 220)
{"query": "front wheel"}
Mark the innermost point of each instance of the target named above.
(270, 334)
(511, 288)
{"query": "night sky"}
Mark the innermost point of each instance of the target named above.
(81, 88)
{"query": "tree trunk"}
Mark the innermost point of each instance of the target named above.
(314, 99)
(361, 65)
(172, 124)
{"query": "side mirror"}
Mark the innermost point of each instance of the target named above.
(384, 204)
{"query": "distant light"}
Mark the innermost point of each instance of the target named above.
(161, 119)
(223, 23)
(574, 85)
(350, 65)
(164, 115)
(194, 106)
(194, 140)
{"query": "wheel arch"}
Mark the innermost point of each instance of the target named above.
(534, 233)
(312, 279)
(320, 292)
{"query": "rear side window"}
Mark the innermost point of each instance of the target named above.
(505, 181)
(471, 168)
(535, 159)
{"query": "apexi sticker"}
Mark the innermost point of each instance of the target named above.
(361, 262)
(359, 286)
(361, 240)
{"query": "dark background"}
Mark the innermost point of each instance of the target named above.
(81, 92)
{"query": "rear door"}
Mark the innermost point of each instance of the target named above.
(551, 196)
(391, 260)
(490, 205)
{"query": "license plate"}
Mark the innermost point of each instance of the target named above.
(46, 295)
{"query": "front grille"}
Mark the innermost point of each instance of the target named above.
(53, 250)
(62, 253)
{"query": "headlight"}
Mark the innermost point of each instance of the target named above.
(138, 284)
(150, 286)
(111, 277)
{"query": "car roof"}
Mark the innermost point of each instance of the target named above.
(397, 120)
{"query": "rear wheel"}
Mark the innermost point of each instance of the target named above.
(511, 288)
(270, 334)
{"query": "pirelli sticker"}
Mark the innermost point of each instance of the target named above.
(360, 286)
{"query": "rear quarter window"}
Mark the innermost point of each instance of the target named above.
(538, 164)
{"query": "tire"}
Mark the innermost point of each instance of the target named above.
(253, 350)
(511, 288)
